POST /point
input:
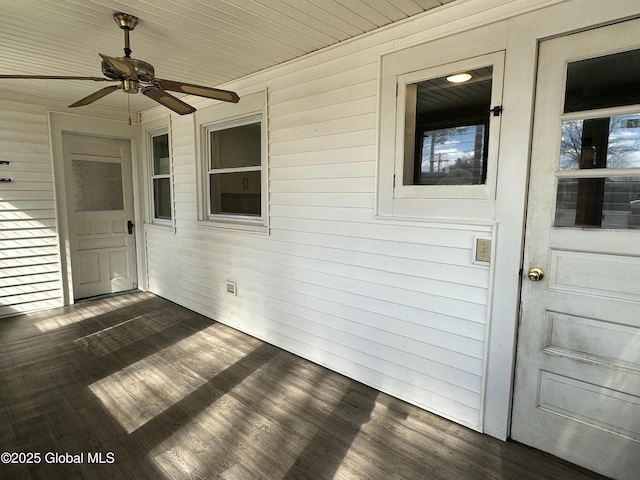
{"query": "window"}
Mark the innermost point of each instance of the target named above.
(232, 155)
(160, 177)
(235, 168)
(439, 131)
(449, 127)
(448, 151)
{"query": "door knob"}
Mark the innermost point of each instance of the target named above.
(129, 227)
(536, 274)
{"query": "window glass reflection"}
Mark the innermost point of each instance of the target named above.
(453, 156)
(608, 142)
(612, 202)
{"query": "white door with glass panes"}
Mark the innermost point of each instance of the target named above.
(100, 211)
(577, 385)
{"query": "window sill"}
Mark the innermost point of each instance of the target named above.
(440, 209)
(479, 192)
(235, 223)
(163, 227)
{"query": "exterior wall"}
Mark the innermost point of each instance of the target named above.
(29, 254)
(397, 304)
(32, 266)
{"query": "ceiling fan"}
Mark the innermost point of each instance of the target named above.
(136, 75)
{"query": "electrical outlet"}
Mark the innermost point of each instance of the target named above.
(483, 250)
(231, 288)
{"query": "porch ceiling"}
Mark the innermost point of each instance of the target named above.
(203, 42)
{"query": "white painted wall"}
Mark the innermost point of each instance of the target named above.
(398, 305)
(29, 260)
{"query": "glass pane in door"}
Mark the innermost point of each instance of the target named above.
(602, 82)
(606, 142)
(97, 186)
(605, 202)
(598, 182)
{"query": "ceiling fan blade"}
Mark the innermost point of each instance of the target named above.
(120, 66)
(95, 96)
(58, 77)
(169, 101)
(198, 90)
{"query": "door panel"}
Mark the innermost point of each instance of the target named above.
(577, 386)
(99, 204)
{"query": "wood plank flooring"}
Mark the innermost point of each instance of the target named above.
(158, 392)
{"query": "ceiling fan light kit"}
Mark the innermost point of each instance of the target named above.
(136, 75)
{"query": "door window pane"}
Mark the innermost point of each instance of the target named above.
(607, 202)
(608, 142)
(97, 186)
(608, 81)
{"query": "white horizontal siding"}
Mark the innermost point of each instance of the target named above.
(29, 252)
(397, 305)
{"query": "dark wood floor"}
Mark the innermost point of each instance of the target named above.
(163, 393)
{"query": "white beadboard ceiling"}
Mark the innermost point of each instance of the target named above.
(206, 42)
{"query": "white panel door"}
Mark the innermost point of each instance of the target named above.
(100, 211)
(577, 386)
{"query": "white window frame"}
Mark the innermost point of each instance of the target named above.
(250, 120)
(156, 176)
(251, 109)
(484, 191)
(399, 71)
(150, 130)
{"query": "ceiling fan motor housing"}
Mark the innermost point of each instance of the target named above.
(144, 71)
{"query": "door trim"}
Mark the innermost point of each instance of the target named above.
(70, 123)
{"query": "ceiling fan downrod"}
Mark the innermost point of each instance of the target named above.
(127, 23)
